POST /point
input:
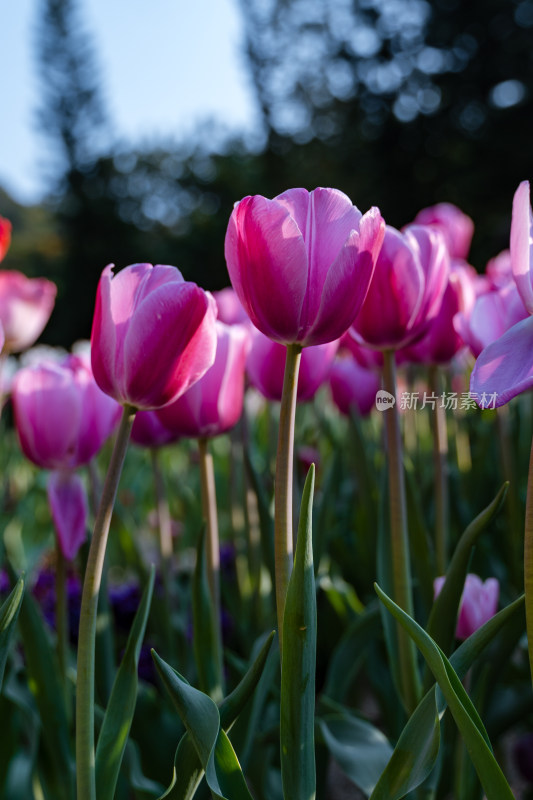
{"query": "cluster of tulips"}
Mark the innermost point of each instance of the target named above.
(321, 294)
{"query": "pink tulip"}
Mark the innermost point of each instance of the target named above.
(68, 503)
(214, 404)
(301, 263)
(455, 225)
(442, 340)
(406, 290)
(353, 387)
(25, 308)
(5, 236)
(153, 335)
(479, 603)
(504, 368)
(229, 307)
(61, 416)
(149, 431)
(266, 366)
(498, 270)
(493, 313)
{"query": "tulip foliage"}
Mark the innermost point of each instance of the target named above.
(348, 612)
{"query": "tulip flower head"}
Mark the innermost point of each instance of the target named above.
(25, 308)
(479, 603)
(353, 387)
(406, 291)
(153, 335)
(454, 224)
(149, 431)
(62, 418)
(302, 262)
(504, 368)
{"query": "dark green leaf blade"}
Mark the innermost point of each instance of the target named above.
(465, 715)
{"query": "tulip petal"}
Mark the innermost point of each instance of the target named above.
(348, 280)
(169, 344)
(267, 264)
(68, 504)
(326, 218)
(521, 244)
(504, 369)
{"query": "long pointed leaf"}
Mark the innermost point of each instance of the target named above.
(8, 618)
(299, 663)
(415, 754)
(188, 771)
(201, 718)
(470, 726)
(119, 713)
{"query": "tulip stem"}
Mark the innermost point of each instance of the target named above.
(209, 508)
(85, 759)
(440, 464)
(528, 560)
(399, 541)
(164, 526)
(283, 520)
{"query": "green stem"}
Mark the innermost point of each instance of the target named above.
(440, 465)
(164, 527)
(399, 542)
(528, 560)
(283, 521)
(86, 789)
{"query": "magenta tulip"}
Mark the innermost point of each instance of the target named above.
(353, 387)
(213, 404)
(61, 416)
(455, 225)
(493, 313)
(5, 236)
(302, 262)
(406, 290)
(68, 503)
(479, 603)
(265, 367)
(25, 308)
(504, 368)
(153, 335)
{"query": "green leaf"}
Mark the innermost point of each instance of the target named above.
(298, 663)
(188, 771)
(266, 521)
(201, 718)
(416, 751)
(143, 787)
(207, 649)
(361, 750)
(8, 619)
(43, 679)
(443, 617)
(119, 713)
(465, 715)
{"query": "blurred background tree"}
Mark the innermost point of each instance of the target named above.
(399, 103)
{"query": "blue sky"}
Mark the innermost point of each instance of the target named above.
(165, 64)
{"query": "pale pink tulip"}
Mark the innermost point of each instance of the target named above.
(25, 308)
